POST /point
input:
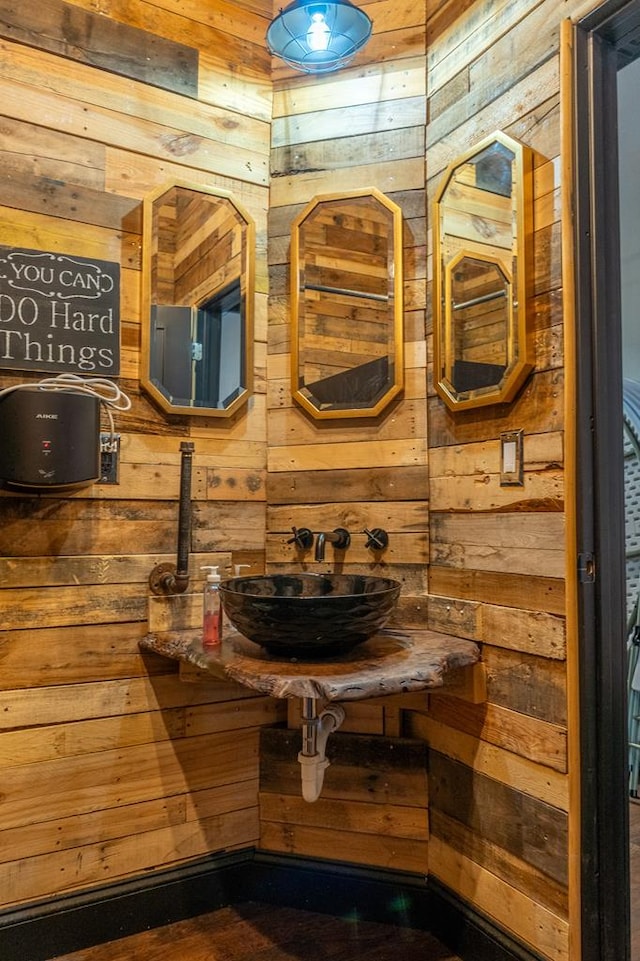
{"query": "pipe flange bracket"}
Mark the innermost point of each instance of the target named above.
(161, 578)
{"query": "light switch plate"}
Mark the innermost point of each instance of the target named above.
(511, 466)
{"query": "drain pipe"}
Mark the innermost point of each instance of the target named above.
(169, 578)
(316, 729)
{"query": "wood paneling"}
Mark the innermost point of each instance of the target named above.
(497, 554)
(517, 543)
(496, 563)
(232, 34)
(521, 825)
(356, 474)
(94, 106)
(110, 765)
(538, 740)
(161, 770)
(63, 28)
(510, 590)
(373, 808)
(544, 930)
(370, 473)
(497, 762)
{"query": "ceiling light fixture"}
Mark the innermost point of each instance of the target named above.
(317, 37)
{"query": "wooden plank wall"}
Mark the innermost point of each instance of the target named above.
(362, 127)
(474, 558)
(162, 772)
(110, 766)
(498, 772)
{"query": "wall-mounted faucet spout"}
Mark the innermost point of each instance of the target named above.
(170, 578)
(339, 537)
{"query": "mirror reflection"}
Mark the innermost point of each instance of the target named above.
(198, 284)
(481, 307)
(346, 274)
(482, 225)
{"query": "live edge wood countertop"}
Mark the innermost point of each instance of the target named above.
(394, 661)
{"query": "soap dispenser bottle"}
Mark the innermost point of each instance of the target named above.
(211, 609)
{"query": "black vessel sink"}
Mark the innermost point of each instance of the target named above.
(309, 615)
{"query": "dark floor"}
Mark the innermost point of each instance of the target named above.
(260, 932)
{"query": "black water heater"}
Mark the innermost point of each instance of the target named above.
(49, 440)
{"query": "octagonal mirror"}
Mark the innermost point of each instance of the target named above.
(482, 249)
(197, 298)
(346, 300)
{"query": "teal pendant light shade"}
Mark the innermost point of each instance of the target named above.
(318, 37)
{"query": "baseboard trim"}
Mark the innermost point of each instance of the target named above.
(49, 929)
(472, 936)
(392, 897)
(70, 923)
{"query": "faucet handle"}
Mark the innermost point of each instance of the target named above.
(302, 538)
(377, 539)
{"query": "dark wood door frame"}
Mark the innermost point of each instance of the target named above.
(603, 42)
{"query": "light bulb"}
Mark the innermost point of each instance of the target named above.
(318, 34)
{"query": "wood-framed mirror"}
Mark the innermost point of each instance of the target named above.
(347, 352)
(482, 225)
(197, 300)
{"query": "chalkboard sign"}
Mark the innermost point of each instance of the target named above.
(59, 313)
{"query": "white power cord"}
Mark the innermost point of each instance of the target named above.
(107, 391)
